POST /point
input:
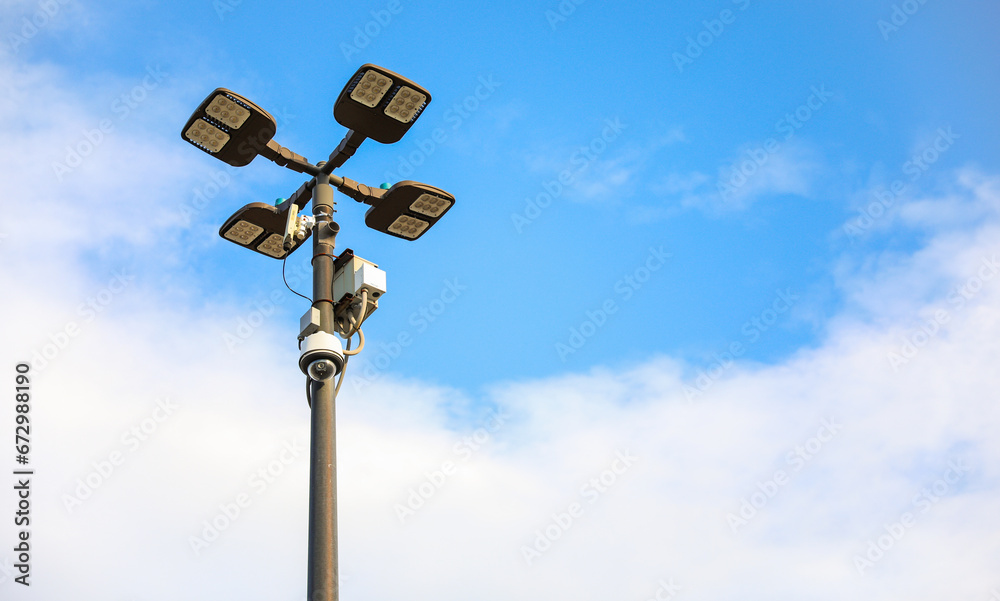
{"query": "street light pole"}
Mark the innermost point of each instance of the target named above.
(323, 581)
(377, 104)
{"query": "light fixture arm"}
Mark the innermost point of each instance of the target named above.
(360, 192)
(284, 157)
(345, 150)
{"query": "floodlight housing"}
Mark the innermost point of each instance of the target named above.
(408, 209)
(261, 228)
(230, 128)
(380, 104)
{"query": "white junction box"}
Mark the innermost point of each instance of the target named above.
(356, 275)
(351, 277)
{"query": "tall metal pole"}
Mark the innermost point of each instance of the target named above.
(323, 579)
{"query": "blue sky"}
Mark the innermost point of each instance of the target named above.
(556, 81)
(696, 231)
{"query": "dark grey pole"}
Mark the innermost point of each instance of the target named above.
(323, 578)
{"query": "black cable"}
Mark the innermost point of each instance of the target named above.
(286, 280)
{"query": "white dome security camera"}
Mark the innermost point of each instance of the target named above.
(322, 369)
(322, 356)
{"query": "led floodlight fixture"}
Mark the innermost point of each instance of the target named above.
(261, 227)
(408, 209)
(380, 104)
(230, 128)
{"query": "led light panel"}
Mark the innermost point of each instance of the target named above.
(243, 232)
(408, 227)
(230, 128)
(206, 135)
(272, 246)
(260, 227)
(227, 111)
(379, 104)
(430, 205)
(372, 88)
(408, 209)
(405, 104)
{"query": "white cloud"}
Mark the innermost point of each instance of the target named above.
(789, 168)
(605, 169)
(664, 518)
(26, 21)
